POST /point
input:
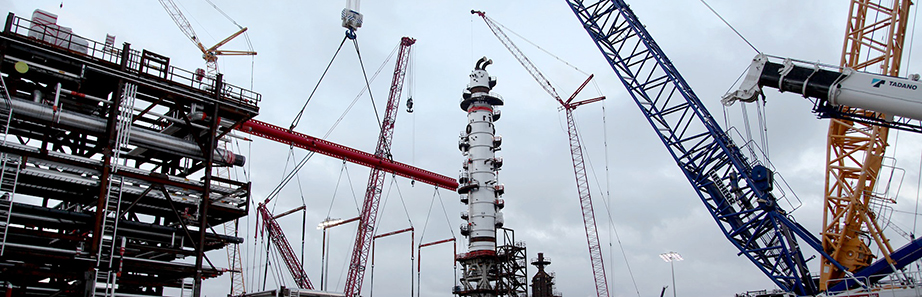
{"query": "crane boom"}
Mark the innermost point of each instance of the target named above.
(368, 218)
(209, 54)
(277, 237)
(737, 191)
(576, 153)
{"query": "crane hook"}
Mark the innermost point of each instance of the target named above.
(410, 105)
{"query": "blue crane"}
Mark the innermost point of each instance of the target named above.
(738, 192)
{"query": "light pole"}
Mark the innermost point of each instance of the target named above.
(672, 257)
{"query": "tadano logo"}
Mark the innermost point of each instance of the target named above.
(877, 82)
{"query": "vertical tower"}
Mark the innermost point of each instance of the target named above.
(478, 185)
(542, 285)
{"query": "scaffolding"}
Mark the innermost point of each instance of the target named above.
(107, 157)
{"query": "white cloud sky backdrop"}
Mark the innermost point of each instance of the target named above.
(637, 188)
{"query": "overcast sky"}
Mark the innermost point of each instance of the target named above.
(637, 188)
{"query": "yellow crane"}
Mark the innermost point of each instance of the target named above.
(209, 54)
(874, 41)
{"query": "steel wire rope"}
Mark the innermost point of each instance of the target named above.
(197, 23)
(537, 46)
(336, 189)
(297, 119)
(731, 27)
(330, 131)
(607, 208)
(370, 94)
(224, 14)
(912, 37)
(345, 266)
(429, 214)
(763, 129)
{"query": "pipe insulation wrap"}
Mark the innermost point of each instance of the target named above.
(139, 137)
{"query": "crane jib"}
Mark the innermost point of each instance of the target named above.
(737, 198)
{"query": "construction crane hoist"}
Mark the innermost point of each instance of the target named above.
(835, 88)
(882, 100)
(209, 54)
(738, 191)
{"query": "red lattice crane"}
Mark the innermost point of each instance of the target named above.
(368, 218)
(576, 152)
(277, 237)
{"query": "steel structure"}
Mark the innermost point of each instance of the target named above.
(834, 88)
(277, 237)
(368, 217)
(116, 147)
(737, 191)
(310, 143)
(576, 153)
(209, 54)
(855, 150)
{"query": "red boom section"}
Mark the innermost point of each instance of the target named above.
(366, 229)
(281, 243)
(304, 141)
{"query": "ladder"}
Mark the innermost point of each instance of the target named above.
(188, 288)
(8, 180)
(106, 272)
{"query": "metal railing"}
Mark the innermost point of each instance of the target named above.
(112, 55)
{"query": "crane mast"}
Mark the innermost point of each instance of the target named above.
(851, 174)
(576, 153)
(737, 191)
(368, 217)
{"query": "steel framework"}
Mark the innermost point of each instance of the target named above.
(368, 218)
(749, 214)
(855, 149)
(117, 147)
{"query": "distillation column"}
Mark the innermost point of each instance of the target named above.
(478, 186)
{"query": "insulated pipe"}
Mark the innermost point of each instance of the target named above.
(139, 137)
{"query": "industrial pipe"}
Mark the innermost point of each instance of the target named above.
(139, 137)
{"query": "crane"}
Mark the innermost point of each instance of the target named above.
(737, 191)
(277, 237)
(854, 94)
(576, 152)
(209, 54)
(858, 131)
(849, 196)
(368, 217)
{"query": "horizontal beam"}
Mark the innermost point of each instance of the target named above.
(301, 140)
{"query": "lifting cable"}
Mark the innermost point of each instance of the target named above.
(731, 27)
(915, 218)
(611, 223)
(304, 160)
(429, 213)
(368, 86)
(539, 47)
(336, 188)
(912, 36)
(297, 119)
